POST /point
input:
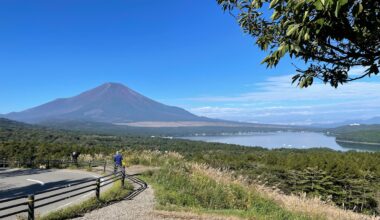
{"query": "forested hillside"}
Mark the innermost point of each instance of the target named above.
(27, 142)
(351, 180)
(358, 133)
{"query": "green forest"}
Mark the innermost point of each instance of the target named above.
(359, 133)
(351, 180)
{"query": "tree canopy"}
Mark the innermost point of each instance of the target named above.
(331, 36)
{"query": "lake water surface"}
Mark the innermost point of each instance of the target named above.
(301, 140)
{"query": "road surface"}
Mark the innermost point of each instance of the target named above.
(18, 182)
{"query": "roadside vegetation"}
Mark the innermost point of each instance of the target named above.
(181, 185)
(350, 180)
(184, 187)
(114, 194)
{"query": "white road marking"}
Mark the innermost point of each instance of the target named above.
(36, 181)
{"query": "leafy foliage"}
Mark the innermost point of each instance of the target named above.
(345, 191)
(331, 36)
(361, 133)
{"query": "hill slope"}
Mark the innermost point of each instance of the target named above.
(358, 133)
(109, 103)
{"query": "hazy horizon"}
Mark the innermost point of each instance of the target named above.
(214, 116)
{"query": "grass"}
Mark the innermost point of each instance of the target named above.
(115, 193)
(183, 187)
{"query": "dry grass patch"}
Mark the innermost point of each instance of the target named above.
(297, 203)
(313, 208)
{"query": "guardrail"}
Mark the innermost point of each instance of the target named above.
(142, 186)
(40, 199)
(6, 163)
(3, 163)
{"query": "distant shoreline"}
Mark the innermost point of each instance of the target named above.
(358, 142)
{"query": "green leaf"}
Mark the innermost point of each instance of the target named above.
(305, 15)
(266, 59)
(302, 83)
(360, 8)
(306, 37)
(265, 46)
(337, 9)
(299, 5)
(275, 15)
(273, 3)
(320, 21)
(282, 50)
(318, 5)
(295, 78)
(292, 29)
(309, 80)
(339, 4)
(297, 48)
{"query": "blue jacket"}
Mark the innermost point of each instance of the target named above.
(118, 158)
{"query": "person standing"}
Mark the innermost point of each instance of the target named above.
(74, 157)
(118, 159)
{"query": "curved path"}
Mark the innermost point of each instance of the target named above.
(18, 182)
(142, 206)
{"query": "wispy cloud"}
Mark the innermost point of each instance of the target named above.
(280, 88)
(278, 101)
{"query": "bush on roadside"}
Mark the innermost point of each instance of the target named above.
(181, 186)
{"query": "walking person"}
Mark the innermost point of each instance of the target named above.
(118, 159)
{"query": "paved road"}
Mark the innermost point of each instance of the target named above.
(18, 182)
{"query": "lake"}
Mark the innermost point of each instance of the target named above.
(271, 140)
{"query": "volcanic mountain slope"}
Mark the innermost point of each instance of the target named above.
(108, 103)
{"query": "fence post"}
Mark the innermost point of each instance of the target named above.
(31, 207)
(104, 168)
(97, 192)
(122, 178)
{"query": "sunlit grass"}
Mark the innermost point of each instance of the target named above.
(185, 186)
(180, 187)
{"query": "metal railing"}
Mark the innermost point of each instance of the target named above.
(11, 163)
(3, 163)
(40, 199)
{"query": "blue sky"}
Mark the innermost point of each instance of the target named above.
(181, 52)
